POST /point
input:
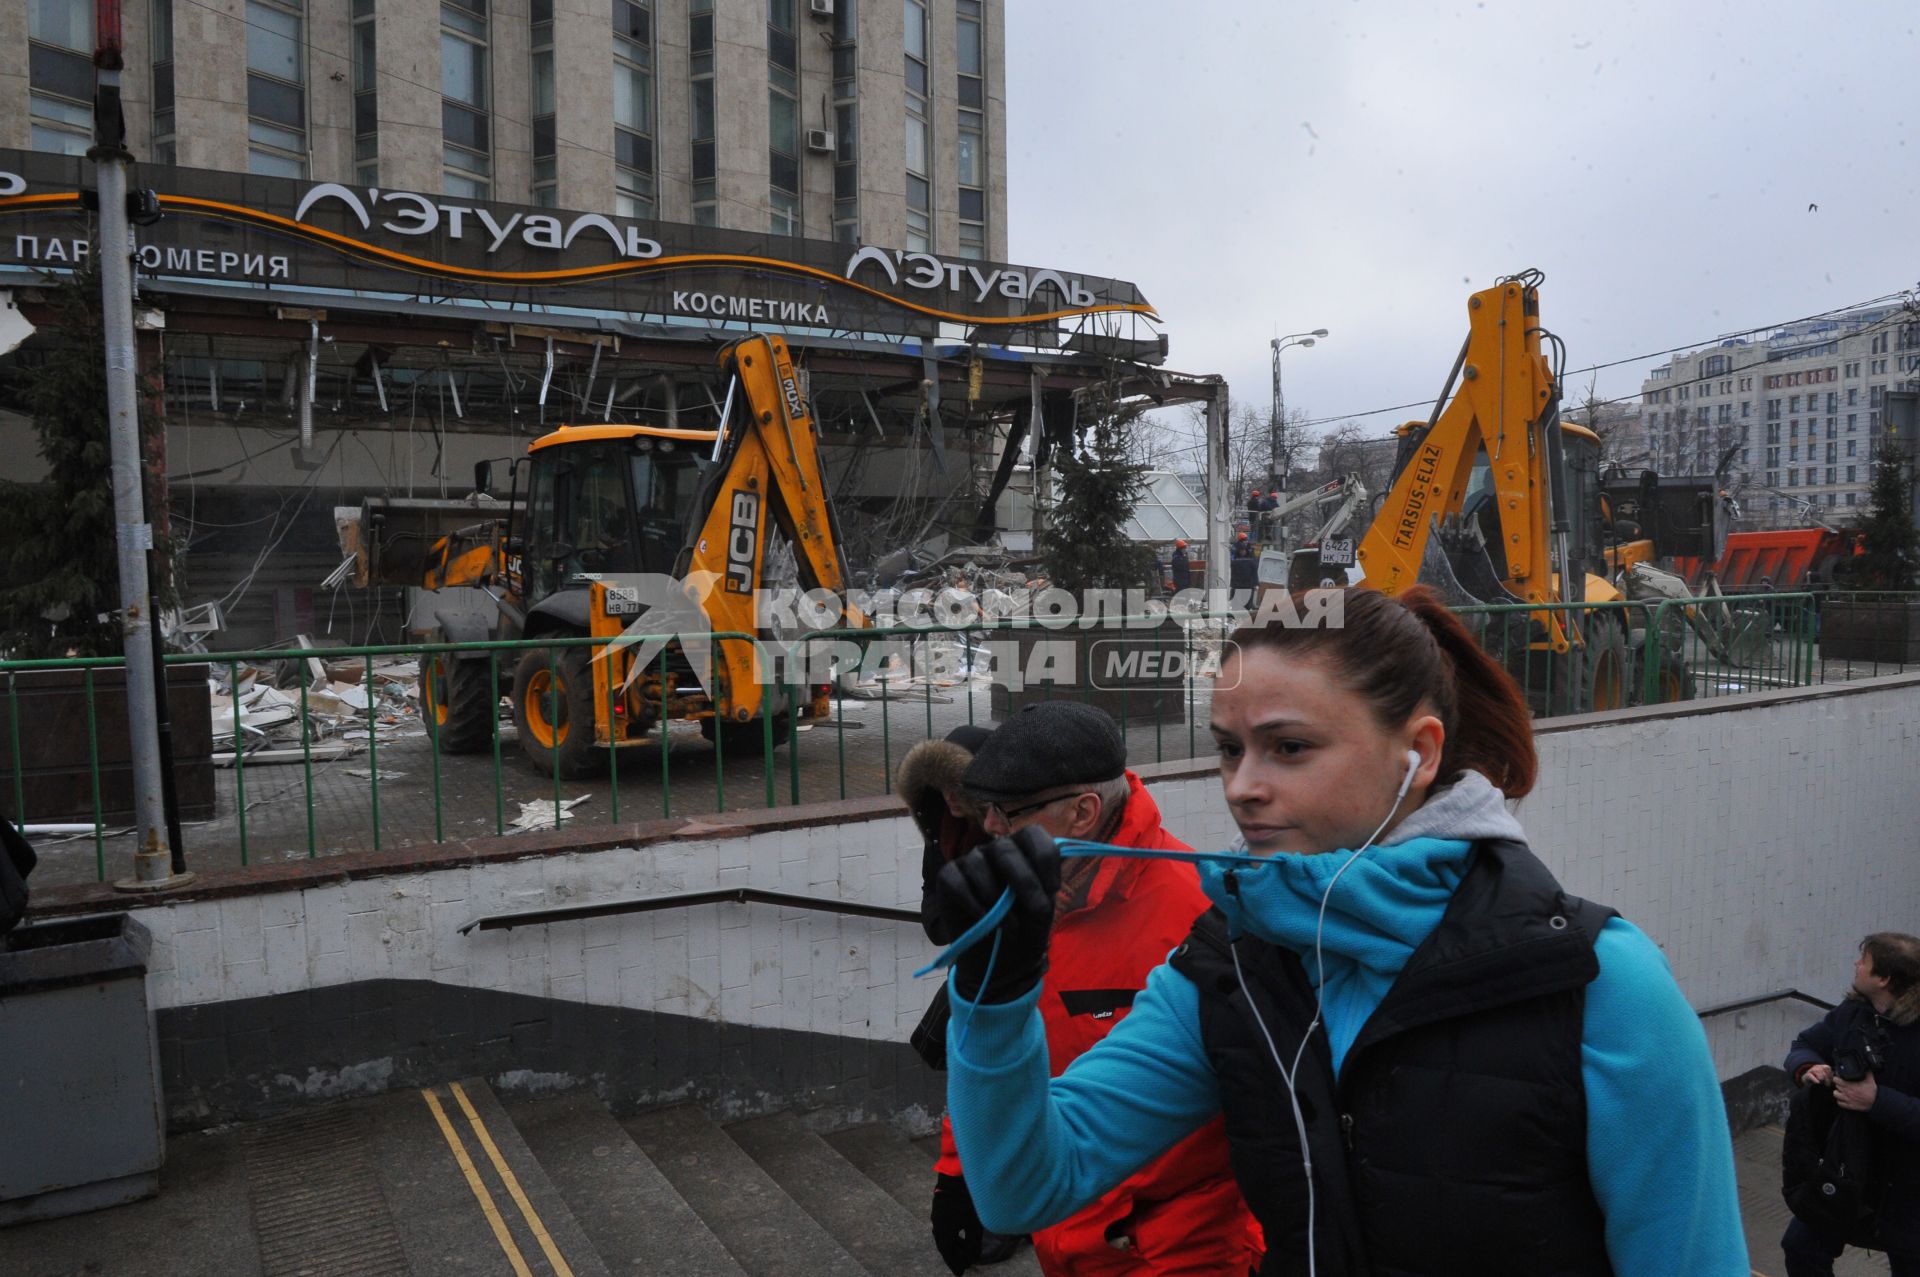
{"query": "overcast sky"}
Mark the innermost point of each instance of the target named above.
(1261, 167)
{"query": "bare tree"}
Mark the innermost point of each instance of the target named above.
(1622, 445)
(1351, 448)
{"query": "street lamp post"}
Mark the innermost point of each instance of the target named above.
(1281, 461)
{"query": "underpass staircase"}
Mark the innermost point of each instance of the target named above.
(457, 1179)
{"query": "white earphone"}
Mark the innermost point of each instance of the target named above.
(1319, 975)
(1406, 782)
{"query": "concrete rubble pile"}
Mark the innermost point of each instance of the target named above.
(341, 708)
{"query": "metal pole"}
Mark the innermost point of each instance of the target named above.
(153, 854)
(1219, 498)
(1277, 472)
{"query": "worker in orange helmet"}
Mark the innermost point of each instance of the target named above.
(1180, 568)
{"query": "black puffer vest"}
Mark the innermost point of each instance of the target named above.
(1454, 1141)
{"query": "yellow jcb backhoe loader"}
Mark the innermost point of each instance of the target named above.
(1496, 500)
(607, 512)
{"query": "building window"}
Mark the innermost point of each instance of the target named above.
(919, 131)
(1746, 407)
(700, 73)
(60, 70)
(465, 124)
(276, 89)
(164, 149)
(546, 171)
(1853, 422)
(971, 151)
(1830, 473)
(632, 109)
(366, 98)
(1850, 497)
(846, 122)
(783, 117)
(1852, 445)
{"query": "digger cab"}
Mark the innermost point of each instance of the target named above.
(608, 498)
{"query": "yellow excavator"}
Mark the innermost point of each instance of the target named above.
(608, 513)
(1495, 500)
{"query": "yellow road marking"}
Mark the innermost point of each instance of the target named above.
(508, 1178)
(480, 1194)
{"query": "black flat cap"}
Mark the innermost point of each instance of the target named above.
(1046, 746)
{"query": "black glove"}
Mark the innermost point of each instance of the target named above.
(1027, 864)
(957, 1232)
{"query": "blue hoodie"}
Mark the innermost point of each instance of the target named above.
(1659, 1155)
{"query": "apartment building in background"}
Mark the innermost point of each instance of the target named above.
(1800, 409)
(865, 121)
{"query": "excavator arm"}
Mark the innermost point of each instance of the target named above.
(769, 473)
(1507, 404)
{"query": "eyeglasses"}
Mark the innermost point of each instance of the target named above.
(1011, 814)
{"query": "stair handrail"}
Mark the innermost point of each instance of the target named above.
(686, 900)
(1778, 995)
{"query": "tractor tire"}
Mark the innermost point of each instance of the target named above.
(746, 740)
(1607, 681)
(553, 708)
(1673, 680)
(457, 699)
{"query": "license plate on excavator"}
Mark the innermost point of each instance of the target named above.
(623, 600)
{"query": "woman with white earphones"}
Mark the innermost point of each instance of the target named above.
(1430, 1059)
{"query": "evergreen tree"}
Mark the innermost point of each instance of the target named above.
(1086, 545)
(1890, 558)
(59, 577)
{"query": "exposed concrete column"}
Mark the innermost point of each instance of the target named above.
(883, 125)
(329, 92)
(210, 85)
(1219, 498)
(15, 83)
(583, 103)
(412, 153)
(510, 95)
(740, 107)
(673, 112)
(996, 18)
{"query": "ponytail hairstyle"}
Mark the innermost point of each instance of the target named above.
(1405, 652)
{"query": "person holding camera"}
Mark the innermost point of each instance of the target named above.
(1853, 1141)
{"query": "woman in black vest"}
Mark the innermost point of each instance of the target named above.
(1493, 1077)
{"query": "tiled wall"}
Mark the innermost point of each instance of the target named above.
(1755, 846)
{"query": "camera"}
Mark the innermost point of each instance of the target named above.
(1852, 1063)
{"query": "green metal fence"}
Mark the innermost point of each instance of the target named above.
(1617, 654)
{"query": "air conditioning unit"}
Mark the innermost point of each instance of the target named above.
(820, 139)
(820, 8)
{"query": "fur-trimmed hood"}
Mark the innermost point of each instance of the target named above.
(932, 768)
(1905, 1009)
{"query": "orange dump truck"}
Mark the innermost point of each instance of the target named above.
(1791, 558)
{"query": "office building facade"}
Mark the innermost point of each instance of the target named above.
(866, 121)
(1800, 409)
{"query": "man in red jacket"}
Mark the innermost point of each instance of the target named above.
(1062, 765)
